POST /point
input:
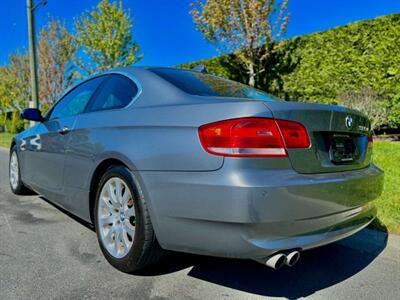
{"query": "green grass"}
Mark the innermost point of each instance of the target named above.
(386, 156)
(5, 140)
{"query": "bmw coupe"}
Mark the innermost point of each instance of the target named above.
(166, 159)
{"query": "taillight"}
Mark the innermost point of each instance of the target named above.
(254, 137)
(370, 140)
(294, 134)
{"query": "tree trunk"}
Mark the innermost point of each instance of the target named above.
(13, 127)
(252, 76)
(4, 122)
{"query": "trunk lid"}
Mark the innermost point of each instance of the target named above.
(338, 135)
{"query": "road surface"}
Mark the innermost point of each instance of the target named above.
(46, 254)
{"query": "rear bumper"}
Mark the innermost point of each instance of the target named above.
(340, 226)
(254, 213)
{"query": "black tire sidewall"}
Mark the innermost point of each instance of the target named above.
(129, 262)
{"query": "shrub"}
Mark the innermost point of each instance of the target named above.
(14, 124)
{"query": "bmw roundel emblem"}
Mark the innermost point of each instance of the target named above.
(349, 121)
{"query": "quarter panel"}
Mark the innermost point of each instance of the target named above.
(155, 138)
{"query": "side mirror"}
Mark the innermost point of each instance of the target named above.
(32, 114)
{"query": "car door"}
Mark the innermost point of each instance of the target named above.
(47, 158)
(91, 137)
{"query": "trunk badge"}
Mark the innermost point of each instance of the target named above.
(349, 122)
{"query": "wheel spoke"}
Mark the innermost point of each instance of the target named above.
(130, 229)
(111, 194)
(125, 197)
(117, 240)
(109, 234)
(118, 191)
(106, 200)
(126, 241)
(107, 220)
(130, 212)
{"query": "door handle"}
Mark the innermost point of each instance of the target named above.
(64, 130)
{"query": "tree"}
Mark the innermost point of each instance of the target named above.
(14, 90)
(248, 29)
(368, 102)
(105, 36)
(5, 99)
(56, 51)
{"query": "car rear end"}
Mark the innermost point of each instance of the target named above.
(293, 177)
(299, 179)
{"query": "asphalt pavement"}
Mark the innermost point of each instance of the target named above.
(47, 254)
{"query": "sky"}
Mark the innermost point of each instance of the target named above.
(164, 29)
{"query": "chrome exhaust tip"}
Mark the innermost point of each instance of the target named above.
(292, 258)
(276, 261)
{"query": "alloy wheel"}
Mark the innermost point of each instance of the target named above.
(116, 217)
(14, 170)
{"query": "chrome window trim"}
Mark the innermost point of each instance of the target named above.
(131, 78)
(135, 81)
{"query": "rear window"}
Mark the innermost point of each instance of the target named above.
(200, 84)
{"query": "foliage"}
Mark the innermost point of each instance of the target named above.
(55, 54)
(14, 90)
(368, 102)
(387, 156)
(5, 139)
(105, 36)
(321, 67)
(56, 73)
(394, 116)
(14, 124)
(347, 58)
(245, 28)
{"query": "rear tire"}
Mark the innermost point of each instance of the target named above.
(16, 184)
(123, 227)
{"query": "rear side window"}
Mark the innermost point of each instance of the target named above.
(200, 84)
(116, 92)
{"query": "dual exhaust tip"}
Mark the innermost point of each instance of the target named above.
(278, 260)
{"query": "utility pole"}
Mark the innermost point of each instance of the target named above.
(32, 53)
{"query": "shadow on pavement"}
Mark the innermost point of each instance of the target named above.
(317, 269)
(71, 215)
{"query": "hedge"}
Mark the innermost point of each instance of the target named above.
(321, 67)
